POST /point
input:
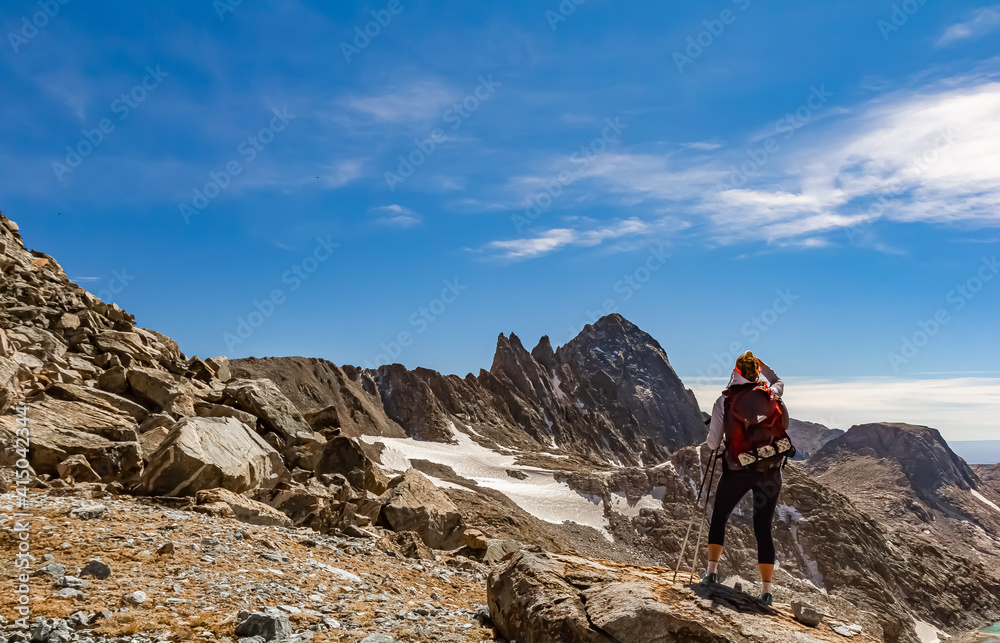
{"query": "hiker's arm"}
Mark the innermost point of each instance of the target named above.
(772, 379)
(715, 428)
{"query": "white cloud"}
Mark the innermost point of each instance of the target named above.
(416, 102)
(962, 408)
(397, 216)
(927, 156)
(551, 240)
(703, 145)
(983, 21)
(343, 172)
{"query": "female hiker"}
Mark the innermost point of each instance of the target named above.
(751, 417)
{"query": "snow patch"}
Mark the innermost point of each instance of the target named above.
(560, 394)
(927, 632)
(978, 496)
(444, 484)
(791, 515)
(619, 503)
(539, 494)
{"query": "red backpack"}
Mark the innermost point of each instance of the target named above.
(756, 427)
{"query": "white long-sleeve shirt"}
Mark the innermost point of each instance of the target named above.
(715, 429)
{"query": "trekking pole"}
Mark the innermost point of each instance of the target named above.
(704, 518)
(687, 534)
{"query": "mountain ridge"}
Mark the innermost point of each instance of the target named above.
(621, 403)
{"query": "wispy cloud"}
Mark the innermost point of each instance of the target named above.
(557, 238)
(919, 156)
(702, 145)
(982, 22)
(343, 172)
(397, 216)
(419, 101)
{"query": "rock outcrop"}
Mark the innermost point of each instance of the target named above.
(810, 437)
(205, 453)
(989, 474)
(413, 503)
(926, 459)
(540, 598)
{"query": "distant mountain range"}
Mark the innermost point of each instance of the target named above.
(977, 451)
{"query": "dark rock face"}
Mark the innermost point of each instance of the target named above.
(333, 399)
(609, 395)
(809, 437)
(922, 498)
(922, 454)
(989, 474)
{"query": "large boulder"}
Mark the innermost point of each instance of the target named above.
(77, 467)
(530, 600)
(348, 457)
(204, 453)
(61, 428)
(413, 503)
(630, 612)
(150, 441)
(9, 389)
(275, 411)
(162, 390)
(126, 346)
(99, 398)
(304, 506)
(540, 597)
(244, 509)
(210, 410)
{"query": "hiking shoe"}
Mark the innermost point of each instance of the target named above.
(767, 599)
(709, 579)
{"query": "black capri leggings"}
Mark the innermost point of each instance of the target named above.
(766, 486)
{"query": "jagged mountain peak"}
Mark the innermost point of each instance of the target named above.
(544, 353)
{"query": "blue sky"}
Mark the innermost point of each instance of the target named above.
(816, 181)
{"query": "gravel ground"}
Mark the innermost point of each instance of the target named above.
(185, 576)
